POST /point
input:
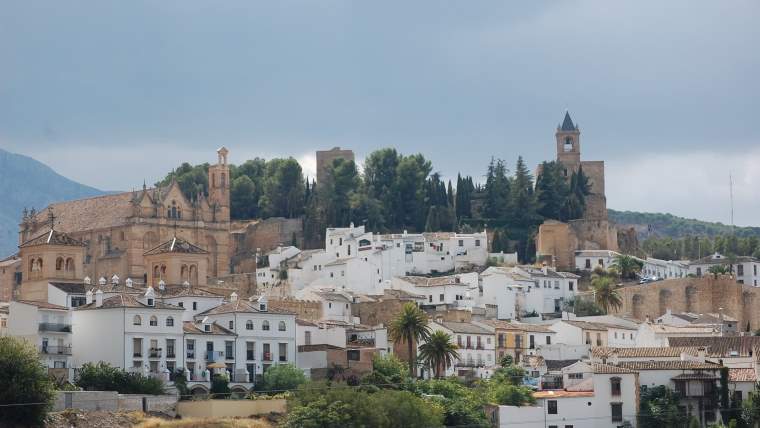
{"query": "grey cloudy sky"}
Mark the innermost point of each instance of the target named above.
(111, 92)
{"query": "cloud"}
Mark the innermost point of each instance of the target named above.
(688, 184)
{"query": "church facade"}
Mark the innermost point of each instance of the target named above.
(117, 230)
(557, 241)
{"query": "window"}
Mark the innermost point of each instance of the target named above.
(739, 270)
(250, 350)
(552, 407)
(461, 242)
(249, 325)
(575, 375)
(195, 305)
(265, 325)
(181, 304)
(281, 326)
(137, 320)
(170, 348)
(78, 301)
(615, 386)
(353, 355)
(283, 352)
(588, 263)
(570, 285)
(477, 242)
(150, 302)
(137, 347)
(190, 349)
(599, 339)
(548, 340)
(153, 321)
(601, 262)
(617, 412)
(169, 322)
(231, 325)
(588, 338)
(532, 341)
(440, 297)
(229, 353)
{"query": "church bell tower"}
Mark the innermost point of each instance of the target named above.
(219, 187)
(568, 145)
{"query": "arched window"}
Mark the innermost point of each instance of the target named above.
(69, 265)
(281, 326)
(163, 271)
(137, 320)
(183, 273)
(169, 322)
(265, 325)
(249, 325)
(33, 265)
(153, 321)
(59, 263)
(39, 264)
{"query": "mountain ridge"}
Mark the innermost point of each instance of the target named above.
(41, 186)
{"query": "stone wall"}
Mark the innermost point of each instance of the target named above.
(379, 312)
(698, 295)
(304, 309)
(244, 284)
(263, 235)
(558, 241)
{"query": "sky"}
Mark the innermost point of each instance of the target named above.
(111, 93)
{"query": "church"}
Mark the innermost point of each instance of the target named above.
(557, 241)
(118, 234)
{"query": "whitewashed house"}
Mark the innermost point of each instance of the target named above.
(664, 269)
(143, 333)
(268, 333)
(746, 269)
(588, 260)
(502, 287)
(454, 291)
(46, 326)
(550, 291)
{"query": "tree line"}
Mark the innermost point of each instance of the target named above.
(396, 192)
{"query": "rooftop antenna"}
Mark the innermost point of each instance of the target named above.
(731, 195)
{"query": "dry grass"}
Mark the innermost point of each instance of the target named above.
(203, 423)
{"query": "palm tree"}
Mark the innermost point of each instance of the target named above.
(605, 293)
(438, 352)
(627, 266)
(410, 326)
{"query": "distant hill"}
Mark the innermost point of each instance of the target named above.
(668, 225)
(25, 182)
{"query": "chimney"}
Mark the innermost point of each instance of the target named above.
(701, 354)
(88, 297)
(233, 297)
(99, 298)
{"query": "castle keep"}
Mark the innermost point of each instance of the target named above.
(557, 242)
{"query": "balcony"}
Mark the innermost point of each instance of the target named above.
(56, 350)
(214, 355)
(55, 327)
(155, 353)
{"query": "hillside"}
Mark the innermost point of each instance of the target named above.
(25, 182)
(668, 225)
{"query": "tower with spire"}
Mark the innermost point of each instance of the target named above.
(568, 145)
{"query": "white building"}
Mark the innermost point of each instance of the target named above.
(476, 348)
(651, 335)
(502, 287)
(664, 269)
(621, 332)
(264, 336)
(143, 334)
(593, 395)
(451, 290)
(588, 260)
(550, 291)
(46, 326)
(745, 268)
(573, 332)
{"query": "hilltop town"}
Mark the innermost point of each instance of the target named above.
(520, 291)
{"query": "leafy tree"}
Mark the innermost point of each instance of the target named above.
(388, 370)
(522, 199)
(410, 326)
(243, 199)
(507, 394)
(283, 189)
(24, 380)
(605, 293)
(462, 406)
(659, 408)
(627, 266)
(718, 270)
(283, 377)
(582, 307)
(439, 352)
(512, 375)
(341, 183)
(497, 191)
(552, 190)
(506, 360)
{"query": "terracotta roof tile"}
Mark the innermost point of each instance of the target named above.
(719, 347)
(742, 375)
(243, 306)
(610, 369)
(128, 301)
(43, 305)
(190, 327)
(643, 352)
(668, 365)
(99, 212)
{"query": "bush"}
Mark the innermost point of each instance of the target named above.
(220, 386)
(180, 382)
(282, 377)
(462, 406)
(103, 377)
(24, 380)
(512, 395)
(321, 406)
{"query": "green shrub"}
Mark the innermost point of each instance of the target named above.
(282, 377)
(23, 379)
(103, 377)
(220, 386)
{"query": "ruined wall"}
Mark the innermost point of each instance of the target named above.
(698, 295)
(380, 312)
(555, 239)
(265, 235)
(244, 284)
(304, 309)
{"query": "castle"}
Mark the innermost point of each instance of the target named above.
(117, 232)
(557, 241)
